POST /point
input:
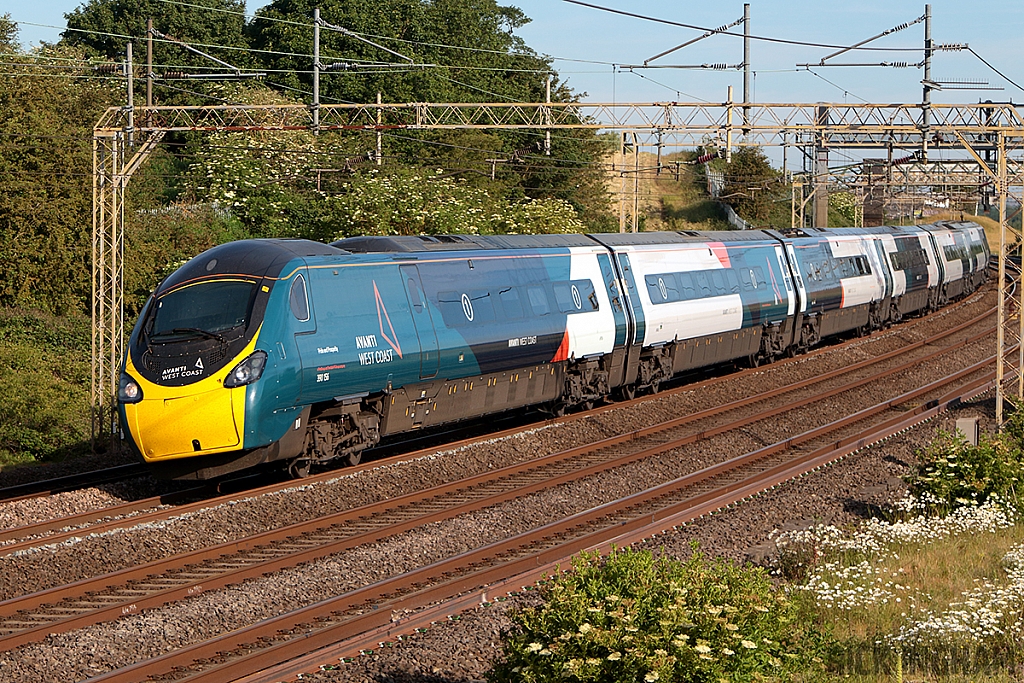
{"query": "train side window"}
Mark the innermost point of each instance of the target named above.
(686, 288)
(510, 303)
(538, 300)
(718, 279)
(703, 284)
(584, 298)
(414, 295)
(298, 299)
(653, 290)
(563, 297)
(745, 279)
(758, 274)
(734, 283)
(481, 304)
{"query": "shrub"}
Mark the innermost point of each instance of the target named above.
(635, 618)
(44, 379)
(955, 473)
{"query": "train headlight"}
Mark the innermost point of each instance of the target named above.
(128, 390)
(248, 371)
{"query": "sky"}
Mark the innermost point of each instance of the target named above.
(590, 47)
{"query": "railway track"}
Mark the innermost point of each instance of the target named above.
(130, 591)
(48, 487)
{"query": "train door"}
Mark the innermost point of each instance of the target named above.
(429, 357)
(791, 302)
(611, 283)
(801, 291)
(633, 300)
(303, 322)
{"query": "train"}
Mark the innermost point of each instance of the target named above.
(293, 353)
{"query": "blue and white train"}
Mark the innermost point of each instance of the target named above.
(297, 352)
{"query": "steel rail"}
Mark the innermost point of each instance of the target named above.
(70, 482)
(495, 562)
(198, 579)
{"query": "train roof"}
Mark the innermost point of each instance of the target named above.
(257, 257)
(616, 239)
(419, 243)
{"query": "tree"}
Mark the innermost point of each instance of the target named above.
(753, 188)
(8, 34)
(448, 50)
(463, 51)
(104, 27)
(45, 208)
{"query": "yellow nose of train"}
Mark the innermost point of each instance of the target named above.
(182, 421)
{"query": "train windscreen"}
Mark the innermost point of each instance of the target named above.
(203, 309)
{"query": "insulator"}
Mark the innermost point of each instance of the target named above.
(899, 65)
(108, 68)
(705, 158)
(175, 74)
(950, 47)
(715, 67)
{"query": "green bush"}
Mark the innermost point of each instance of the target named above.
(951, 473)
(44, 379)
(634, 618)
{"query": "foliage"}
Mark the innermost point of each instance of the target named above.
(954, 473)
(754, 189)
(842, 209)
(465, 51)
(8, 34)
(469, 45)
(44, 379)
(634, 618)
(102, 27)
(45, 208)
(408, 203)
(938, 594)
(160, 240)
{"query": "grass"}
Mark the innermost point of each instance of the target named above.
(873, 588)
(44, 381)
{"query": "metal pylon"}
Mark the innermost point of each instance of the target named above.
(107, 281)
(109, 179)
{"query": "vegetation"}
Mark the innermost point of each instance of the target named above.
(630, 617)
(936, 591)
(44, 379)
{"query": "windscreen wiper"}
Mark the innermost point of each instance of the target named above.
(193, 331)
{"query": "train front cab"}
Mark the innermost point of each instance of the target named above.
(191, 377)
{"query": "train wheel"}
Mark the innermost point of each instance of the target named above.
(299, 468)
(354, 458)
(627, 392)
